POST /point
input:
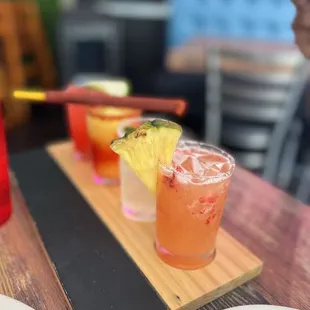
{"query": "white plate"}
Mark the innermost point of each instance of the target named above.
(260, 307)
(7, 303)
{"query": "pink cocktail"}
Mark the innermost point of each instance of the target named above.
(191, 196)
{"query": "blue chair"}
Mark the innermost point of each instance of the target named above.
(255, 19)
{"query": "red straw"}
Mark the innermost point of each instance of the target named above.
(94, 97)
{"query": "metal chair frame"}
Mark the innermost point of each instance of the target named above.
(274, 104)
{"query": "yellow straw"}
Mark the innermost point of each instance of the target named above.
(29, 95)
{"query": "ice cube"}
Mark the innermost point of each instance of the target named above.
(191, 164)
(214, 168)
(179, 158)
(200, 163)
(211, 158)
(198, 167)
(186, 164)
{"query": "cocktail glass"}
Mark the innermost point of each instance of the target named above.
(191, 196)
(76, 115)
(102, 124)
(136, 200)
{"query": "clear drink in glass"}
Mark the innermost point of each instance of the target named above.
(137, 202)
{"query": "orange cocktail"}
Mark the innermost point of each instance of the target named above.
(191, 196)
(102, 124)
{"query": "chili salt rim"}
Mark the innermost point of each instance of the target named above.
(183, 144)
(91, 111)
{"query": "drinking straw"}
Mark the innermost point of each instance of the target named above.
(96, 98)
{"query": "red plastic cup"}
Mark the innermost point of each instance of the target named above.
(5, 186)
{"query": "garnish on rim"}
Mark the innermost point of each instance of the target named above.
(145, 147)
(128, 130)
(113, 88)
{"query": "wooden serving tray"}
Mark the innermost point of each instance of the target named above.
(233, 265)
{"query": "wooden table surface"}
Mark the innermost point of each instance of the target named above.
(191, 56)
(26, 272)
(270, 223)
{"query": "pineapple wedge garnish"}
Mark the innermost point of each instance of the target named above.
(143, 149)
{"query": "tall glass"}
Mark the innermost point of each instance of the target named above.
(191, 196)
(5, 192)
(76, 115)
(102, 124)
(137, 202)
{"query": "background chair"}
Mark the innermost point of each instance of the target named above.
(300, 186)
(88, 27)
(25, 57)
(251, 102)
(230, 19)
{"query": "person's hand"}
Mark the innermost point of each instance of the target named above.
(301, 26)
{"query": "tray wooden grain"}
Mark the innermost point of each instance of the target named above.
(233, 265)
